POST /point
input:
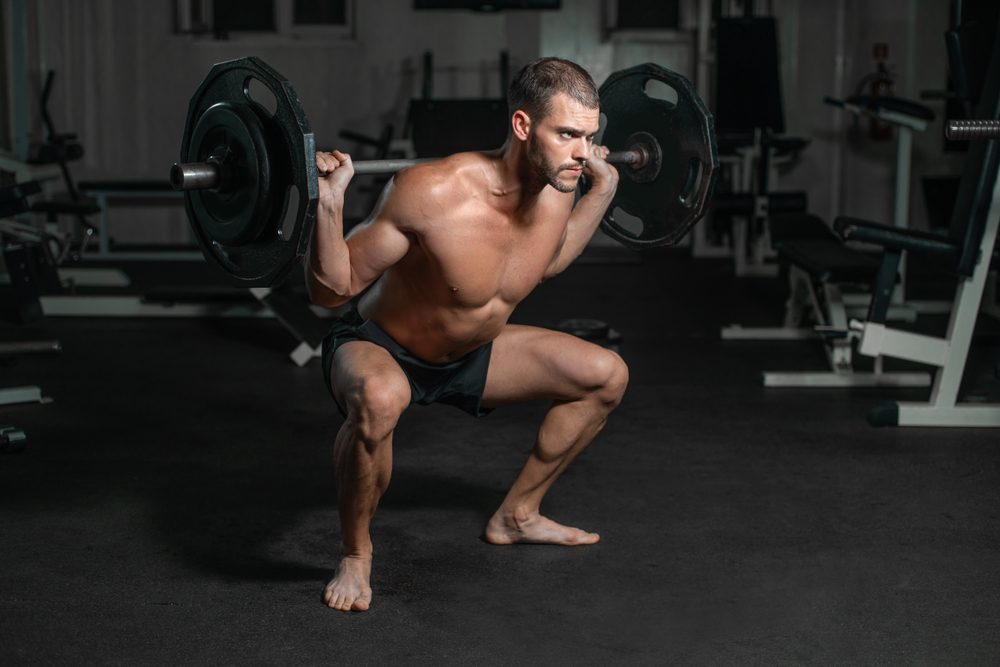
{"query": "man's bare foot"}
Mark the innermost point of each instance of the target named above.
(519, 527)
(349, 590)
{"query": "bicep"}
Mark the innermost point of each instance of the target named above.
(375, 245)
(558, 262)
(378, 242)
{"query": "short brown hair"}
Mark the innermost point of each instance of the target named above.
(537, 82)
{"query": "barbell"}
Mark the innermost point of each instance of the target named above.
(240, 163)
(642, 154)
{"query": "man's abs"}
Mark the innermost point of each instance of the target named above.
(435, 332)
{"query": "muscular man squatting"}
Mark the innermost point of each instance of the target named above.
(452, 247)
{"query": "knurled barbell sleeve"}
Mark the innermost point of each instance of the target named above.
(636, 158)
(966, 130)
(196, 176)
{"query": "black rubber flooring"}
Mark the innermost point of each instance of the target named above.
(175, 505)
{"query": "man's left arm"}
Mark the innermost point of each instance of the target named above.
(589, 210)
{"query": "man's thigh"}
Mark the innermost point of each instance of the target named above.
(529, 363)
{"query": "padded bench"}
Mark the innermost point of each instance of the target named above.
(805, 241)
(103, 191)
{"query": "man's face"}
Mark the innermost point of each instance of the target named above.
(559, 146)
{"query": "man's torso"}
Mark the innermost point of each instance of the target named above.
(473, 258)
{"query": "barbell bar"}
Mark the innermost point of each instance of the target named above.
(213, 175)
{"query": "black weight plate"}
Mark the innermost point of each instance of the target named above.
(236, 215)
(584, 328)
(291, 160)
(672, 202)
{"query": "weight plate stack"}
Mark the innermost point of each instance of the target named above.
(670, 202)
(241, 226)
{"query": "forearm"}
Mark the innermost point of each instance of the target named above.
(583, 222)
(328, 264)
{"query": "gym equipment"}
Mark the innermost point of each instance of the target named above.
(595, 331)
(750, 122)
(248, 162)
(670, 192)
(12, 439)
(907, 117)
(967, 251)
(964, 130)
(239, 164)
(819, 265)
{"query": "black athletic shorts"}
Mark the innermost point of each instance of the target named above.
(459, 383)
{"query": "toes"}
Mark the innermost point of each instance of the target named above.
(348, 602)
(363, 602)
(579, 537)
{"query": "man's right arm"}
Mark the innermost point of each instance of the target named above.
(337, 269)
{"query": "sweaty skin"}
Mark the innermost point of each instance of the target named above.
(452, 247)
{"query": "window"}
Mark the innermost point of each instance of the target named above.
(236, 19)
(647, 20)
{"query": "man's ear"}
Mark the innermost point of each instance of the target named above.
(521, 123)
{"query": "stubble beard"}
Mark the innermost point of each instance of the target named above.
(546, 171)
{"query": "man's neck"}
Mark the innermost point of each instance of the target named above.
(517, 184)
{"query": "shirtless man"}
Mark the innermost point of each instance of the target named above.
(452, 247)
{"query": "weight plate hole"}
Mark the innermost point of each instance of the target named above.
(287, 229)
(602, 125)
(627, 221)
(691, 185)
(659, 90)
(261, 94)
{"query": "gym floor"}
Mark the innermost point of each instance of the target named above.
(175, 504)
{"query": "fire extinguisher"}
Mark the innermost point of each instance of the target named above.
(880, 84)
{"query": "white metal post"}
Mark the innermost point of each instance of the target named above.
(904, 153)
(965, 312)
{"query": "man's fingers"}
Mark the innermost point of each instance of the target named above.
(328, 162)
(325, 163)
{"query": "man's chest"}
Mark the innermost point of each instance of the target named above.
(494, 259)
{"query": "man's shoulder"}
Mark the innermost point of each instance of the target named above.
(455, 176)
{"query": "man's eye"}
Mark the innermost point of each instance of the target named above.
(567, 135)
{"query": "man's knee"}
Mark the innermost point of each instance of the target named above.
(375, 404)
(612, 375)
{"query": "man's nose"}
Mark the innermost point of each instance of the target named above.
(582, 151)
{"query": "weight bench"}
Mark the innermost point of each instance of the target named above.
(818, 266)
(968, 251)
